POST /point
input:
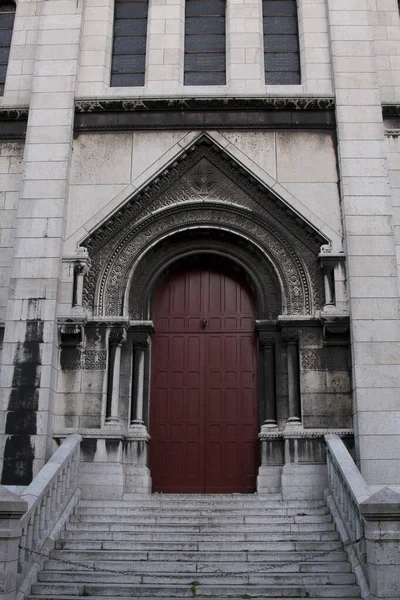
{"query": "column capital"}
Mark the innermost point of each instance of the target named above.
(290, 335)
(266, 340)
(117, 335)
(141, 332)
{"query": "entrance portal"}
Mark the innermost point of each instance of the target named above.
(203, 413)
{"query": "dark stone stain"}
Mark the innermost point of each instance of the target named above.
(18, 461)
(88, 449)
(21, 422)
(21, 419)
(70, 359)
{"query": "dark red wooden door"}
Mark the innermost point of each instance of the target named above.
(203, 410)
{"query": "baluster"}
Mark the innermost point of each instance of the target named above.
(42, 516)
(36, 523)
(68, 482)
(29, 538)
(21, 552)
(53, 495)
(58, 494)
(63, 485)
(48, 510)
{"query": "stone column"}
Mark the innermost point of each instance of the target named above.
(291, 338)
(81, 268)
(141, 341)
(267, 352)
(137, 473)
(116, 339)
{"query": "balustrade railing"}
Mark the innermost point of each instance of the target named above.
(348, 490)
(48, 496)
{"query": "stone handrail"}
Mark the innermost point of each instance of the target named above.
(51, 494)
(348, 489)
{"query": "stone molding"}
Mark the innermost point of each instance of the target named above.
(205, 113)
(391, 110)
(13, 122)
(304, 433)
(392, 133)
(270, 103)
(111, 433)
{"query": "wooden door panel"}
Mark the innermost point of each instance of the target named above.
(203, 413)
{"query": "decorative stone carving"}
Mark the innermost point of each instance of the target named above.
(222, 244)
(117, 335)
(94, 360)
(203, 179)
(72, 331)
(324, 359)
(268, 103)
(244, 206)
(290, 335)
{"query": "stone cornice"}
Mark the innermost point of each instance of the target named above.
(392, 133)
(13, 122)
(304, 433)
(266, 103)
(205, 113)
(391, 110)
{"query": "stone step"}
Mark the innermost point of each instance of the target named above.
(168, 556)
(127, 519)
(222, 498)
(196, 567)
(63, 597)
(189, 591)
(208, 537)
(225, 506)
(154, 528)
(277, 546)
(203, 516)
(230, 578)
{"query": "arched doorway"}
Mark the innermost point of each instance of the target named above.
(203, 410)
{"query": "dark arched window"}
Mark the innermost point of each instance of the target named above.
(7, 14)
(281, 42)
(129, 49)
(205, 42)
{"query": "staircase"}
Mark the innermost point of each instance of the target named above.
(211, 546)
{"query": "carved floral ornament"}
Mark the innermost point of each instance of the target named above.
(203, 192)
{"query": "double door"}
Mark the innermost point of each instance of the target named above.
(203, 409)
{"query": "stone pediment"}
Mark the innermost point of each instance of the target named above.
(203, 188)
(203, 172)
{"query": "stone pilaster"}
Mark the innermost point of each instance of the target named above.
(369, 241)
(30, 362)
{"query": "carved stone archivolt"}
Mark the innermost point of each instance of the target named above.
(204, 192)
(216, 244)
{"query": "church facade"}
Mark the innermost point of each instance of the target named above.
(200, 235)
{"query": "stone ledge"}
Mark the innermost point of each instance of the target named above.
(13, 122)
(204, 113)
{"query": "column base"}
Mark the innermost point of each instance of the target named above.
(294, 422)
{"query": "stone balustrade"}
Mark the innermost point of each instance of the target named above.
(48, 502)
(368, 522)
